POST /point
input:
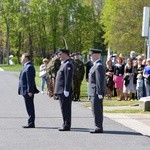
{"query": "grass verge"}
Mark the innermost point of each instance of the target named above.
(137, 111)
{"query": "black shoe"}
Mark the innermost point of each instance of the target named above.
(29, 126)
(64, 129)
(96, 131)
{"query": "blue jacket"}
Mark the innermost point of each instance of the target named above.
(27, 80)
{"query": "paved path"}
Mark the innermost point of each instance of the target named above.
(48, 119)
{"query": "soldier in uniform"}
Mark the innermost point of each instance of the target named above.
(88, 66)
(51, 76)
(52, 69)
(57, 64)
(96, 89)
(79, 72)
(63, 88)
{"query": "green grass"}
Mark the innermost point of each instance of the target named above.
(11, 67)
(84, 90)
(114, 103)
(14, 67)
(127, 111)
(19, 68)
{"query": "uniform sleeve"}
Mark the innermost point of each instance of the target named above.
(100, 80)
(68, 73)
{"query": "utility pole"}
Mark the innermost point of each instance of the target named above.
(146, 28)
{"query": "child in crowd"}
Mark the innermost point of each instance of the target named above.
(139, 86)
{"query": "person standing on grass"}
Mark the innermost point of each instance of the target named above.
(27, 88)
(44, 78)
(79, 72)
(146, 75)
(139, 86)
(96, 89)
(109, 78)
(118, 77)
(128, 86)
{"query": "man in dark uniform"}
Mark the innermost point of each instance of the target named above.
(63, 88)
(96, 89)
(27, 88)
(79, 72)
(88, 66)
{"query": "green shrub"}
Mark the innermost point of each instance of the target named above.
(15, 60)
(37, 61)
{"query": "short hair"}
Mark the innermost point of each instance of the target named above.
(27, 55)
(45, 60)
(119, 58)
(139, 58)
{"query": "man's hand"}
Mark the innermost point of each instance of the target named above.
(66, 93)
(30, 94)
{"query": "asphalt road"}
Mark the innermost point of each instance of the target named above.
(48, 119)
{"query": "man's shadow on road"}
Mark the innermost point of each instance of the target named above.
(122, 133)
(72, 129)
(88, 130)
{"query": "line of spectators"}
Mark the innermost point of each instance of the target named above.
(128, 79)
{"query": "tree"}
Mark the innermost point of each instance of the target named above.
(122, 23)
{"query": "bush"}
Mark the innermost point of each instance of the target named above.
(14, 60)
(37, 61)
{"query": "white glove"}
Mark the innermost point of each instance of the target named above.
(100, 96)
(66, 93)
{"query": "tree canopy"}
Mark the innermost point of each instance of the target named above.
(39, 26)
(122, 24)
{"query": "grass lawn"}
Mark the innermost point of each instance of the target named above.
(138, 111)
(114, 103)
(18, 69)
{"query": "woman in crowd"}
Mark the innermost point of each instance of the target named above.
(118, 77)
(146, 75)
(128, 86)
(109, 78)
(44, 75)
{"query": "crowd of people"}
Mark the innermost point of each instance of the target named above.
(52, 66)
(64, 72)
(128, 79)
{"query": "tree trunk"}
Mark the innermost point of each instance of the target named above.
(19, 46)
(7, 39)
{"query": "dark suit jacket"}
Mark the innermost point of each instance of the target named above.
(27, 80)
(64, 78)
(97, 82)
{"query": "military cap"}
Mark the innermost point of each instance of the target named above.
(63, 51)
(97, 51)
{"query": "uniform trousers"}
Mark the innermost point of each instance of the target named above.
(97, 110)
(65, 105)
(77, 85)
(29, 103)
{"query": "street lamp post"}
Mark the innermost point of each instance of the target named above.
(146, 28)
